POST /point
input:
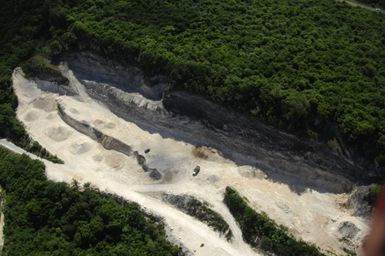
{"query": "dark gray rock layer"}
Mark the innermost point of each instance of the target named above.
(359, 203)
(106, 141)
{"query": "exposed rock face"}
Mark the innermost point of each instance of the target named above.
(61, 87)
(255, 138)
(47, 76)
(358, 202)
(348, 230)
(127, 78)
(141, 159)
(108, 142)
(155, 174)
(52, 76)
(347, 234)
(85, 128)
(112, 143)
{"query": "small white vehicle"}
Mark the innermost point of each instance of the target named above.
(196, 170)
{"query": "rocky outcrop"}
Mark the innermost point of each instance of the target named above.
(126, 99)
(127, 78)
(107, 142)
(359, 201)
(347, 234)
(275, 152)
(155, 174)
(54, 78)
(47, 76)
(55, 87)
(50, 75)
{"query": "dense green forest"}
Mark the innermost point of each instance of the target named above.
(47, 218)
(22, 22)
(16, 44)
(306, 66)
(313, 67)
(261, 232)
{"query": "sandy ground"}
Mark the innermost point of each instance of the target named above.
(312, 216)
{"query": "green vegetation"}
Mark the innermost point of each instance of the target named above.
(16, 45)
(201, 211)
(305, 66)
(334, 145)
(48, 218)
(35, 148)
(40, 67)
(260, 231)
(21, 24)
(37, 65)
(298, 64)
(373, 195)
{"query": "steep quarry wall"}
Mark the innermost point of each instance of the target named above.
(127, 78)
(250, 137)
(61, 89)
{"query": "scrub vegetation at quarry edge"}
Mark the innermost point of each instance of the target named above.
(49, 218)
